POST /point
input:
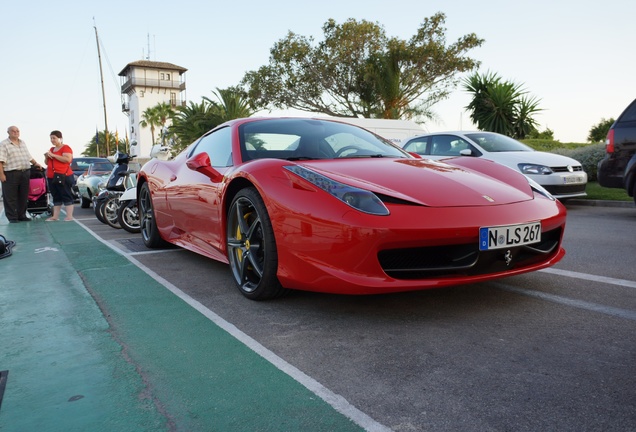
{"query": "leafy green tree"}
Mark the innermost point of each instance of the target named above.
(547, 134)
(501, 106)
(358, 71)
(598, 132)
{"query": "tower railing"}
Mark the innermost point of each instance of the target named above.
(145, 82)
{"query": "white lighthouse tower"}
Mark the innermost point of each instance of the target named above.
(144, 84)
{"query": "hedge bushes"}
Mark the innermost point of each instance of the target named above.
(588, 154)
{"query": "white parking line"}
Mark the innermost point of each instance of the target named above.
(148, 252)
(593, 278)
(338, 402)
(580, 304)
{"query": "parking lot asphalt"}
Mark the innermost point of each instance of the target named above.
(90, 342)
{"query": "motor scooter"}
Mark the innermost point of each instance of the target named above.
(113, 188)
(128, 212)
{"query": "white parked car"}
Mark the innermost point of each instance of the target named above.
(88, 182)
(560, 175)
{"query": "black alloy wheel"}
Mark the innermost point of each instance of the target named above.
(251, 247)
(148, 225)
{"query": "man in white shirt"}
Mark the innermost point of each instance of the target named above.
(15, 173)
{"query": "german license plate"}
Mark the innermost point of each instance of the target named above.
(572, 179)
(509, 236)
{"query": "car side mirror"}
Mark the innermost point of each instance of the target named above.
(466, 152)
(201, 163)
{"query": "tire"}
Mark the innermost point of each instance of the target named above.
(110, 212)
(148, 224)
(251, 247)
(99, 211)
(86, 203)
(128, 216)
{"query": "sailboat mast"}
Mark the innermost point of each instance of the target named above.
(101, 75)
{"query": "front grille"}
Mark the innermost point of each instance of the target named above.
(565, 189)
(463, 260)
(565, 169)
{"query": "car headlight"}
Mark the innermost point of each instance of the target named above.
(359, 199)
(539, 189)
(534, 169)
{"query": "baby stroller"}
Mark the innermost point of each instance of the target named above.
(40, 200)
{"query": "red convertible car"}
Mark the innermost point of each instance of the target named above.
(321, 205)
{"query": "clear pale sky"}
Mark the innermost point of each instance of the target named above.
(576, 56)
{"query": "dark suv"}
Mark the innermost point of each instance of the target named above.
(618, 168)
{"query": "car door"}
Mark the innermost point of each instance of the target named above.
(194, 198)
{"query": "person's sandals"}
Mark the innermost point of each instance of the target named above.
(51, 219)
(69, 220)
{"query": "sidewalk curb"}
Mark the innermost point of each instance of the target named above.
(601, 203)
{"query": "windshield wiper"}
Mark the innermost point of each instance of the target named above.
(299, 158)
(358, 156)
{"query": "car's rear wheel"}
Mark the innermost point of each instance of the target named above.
(251, 247)
(86, 202)
(149, 230)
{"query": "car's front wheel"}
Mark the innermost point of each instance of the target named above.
(251, 247)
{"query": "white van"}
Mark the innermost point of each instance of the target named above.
(395, 131)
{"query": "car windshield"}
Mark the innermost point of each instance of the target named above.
(305, 139)
(101, 167)
(497, 143)
(80, 164)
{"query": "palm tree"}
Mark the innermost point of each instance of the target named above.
(384, 76)
(233, 104)
(164, 112)
(150, 118)
(501, 106)
(192, 121)
(524, 123)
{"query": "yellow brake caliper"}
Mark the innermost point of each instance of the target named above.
(240, 237)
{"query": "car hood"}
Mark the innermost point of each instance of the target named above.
(430, 183)
(512, 159)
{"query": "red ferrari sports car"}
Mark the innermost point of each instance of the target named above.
(321, 205)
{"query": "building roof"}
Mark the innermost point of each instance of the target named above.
(153, 65)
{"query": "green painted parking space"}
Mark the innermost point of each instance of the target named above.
(92, 342)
